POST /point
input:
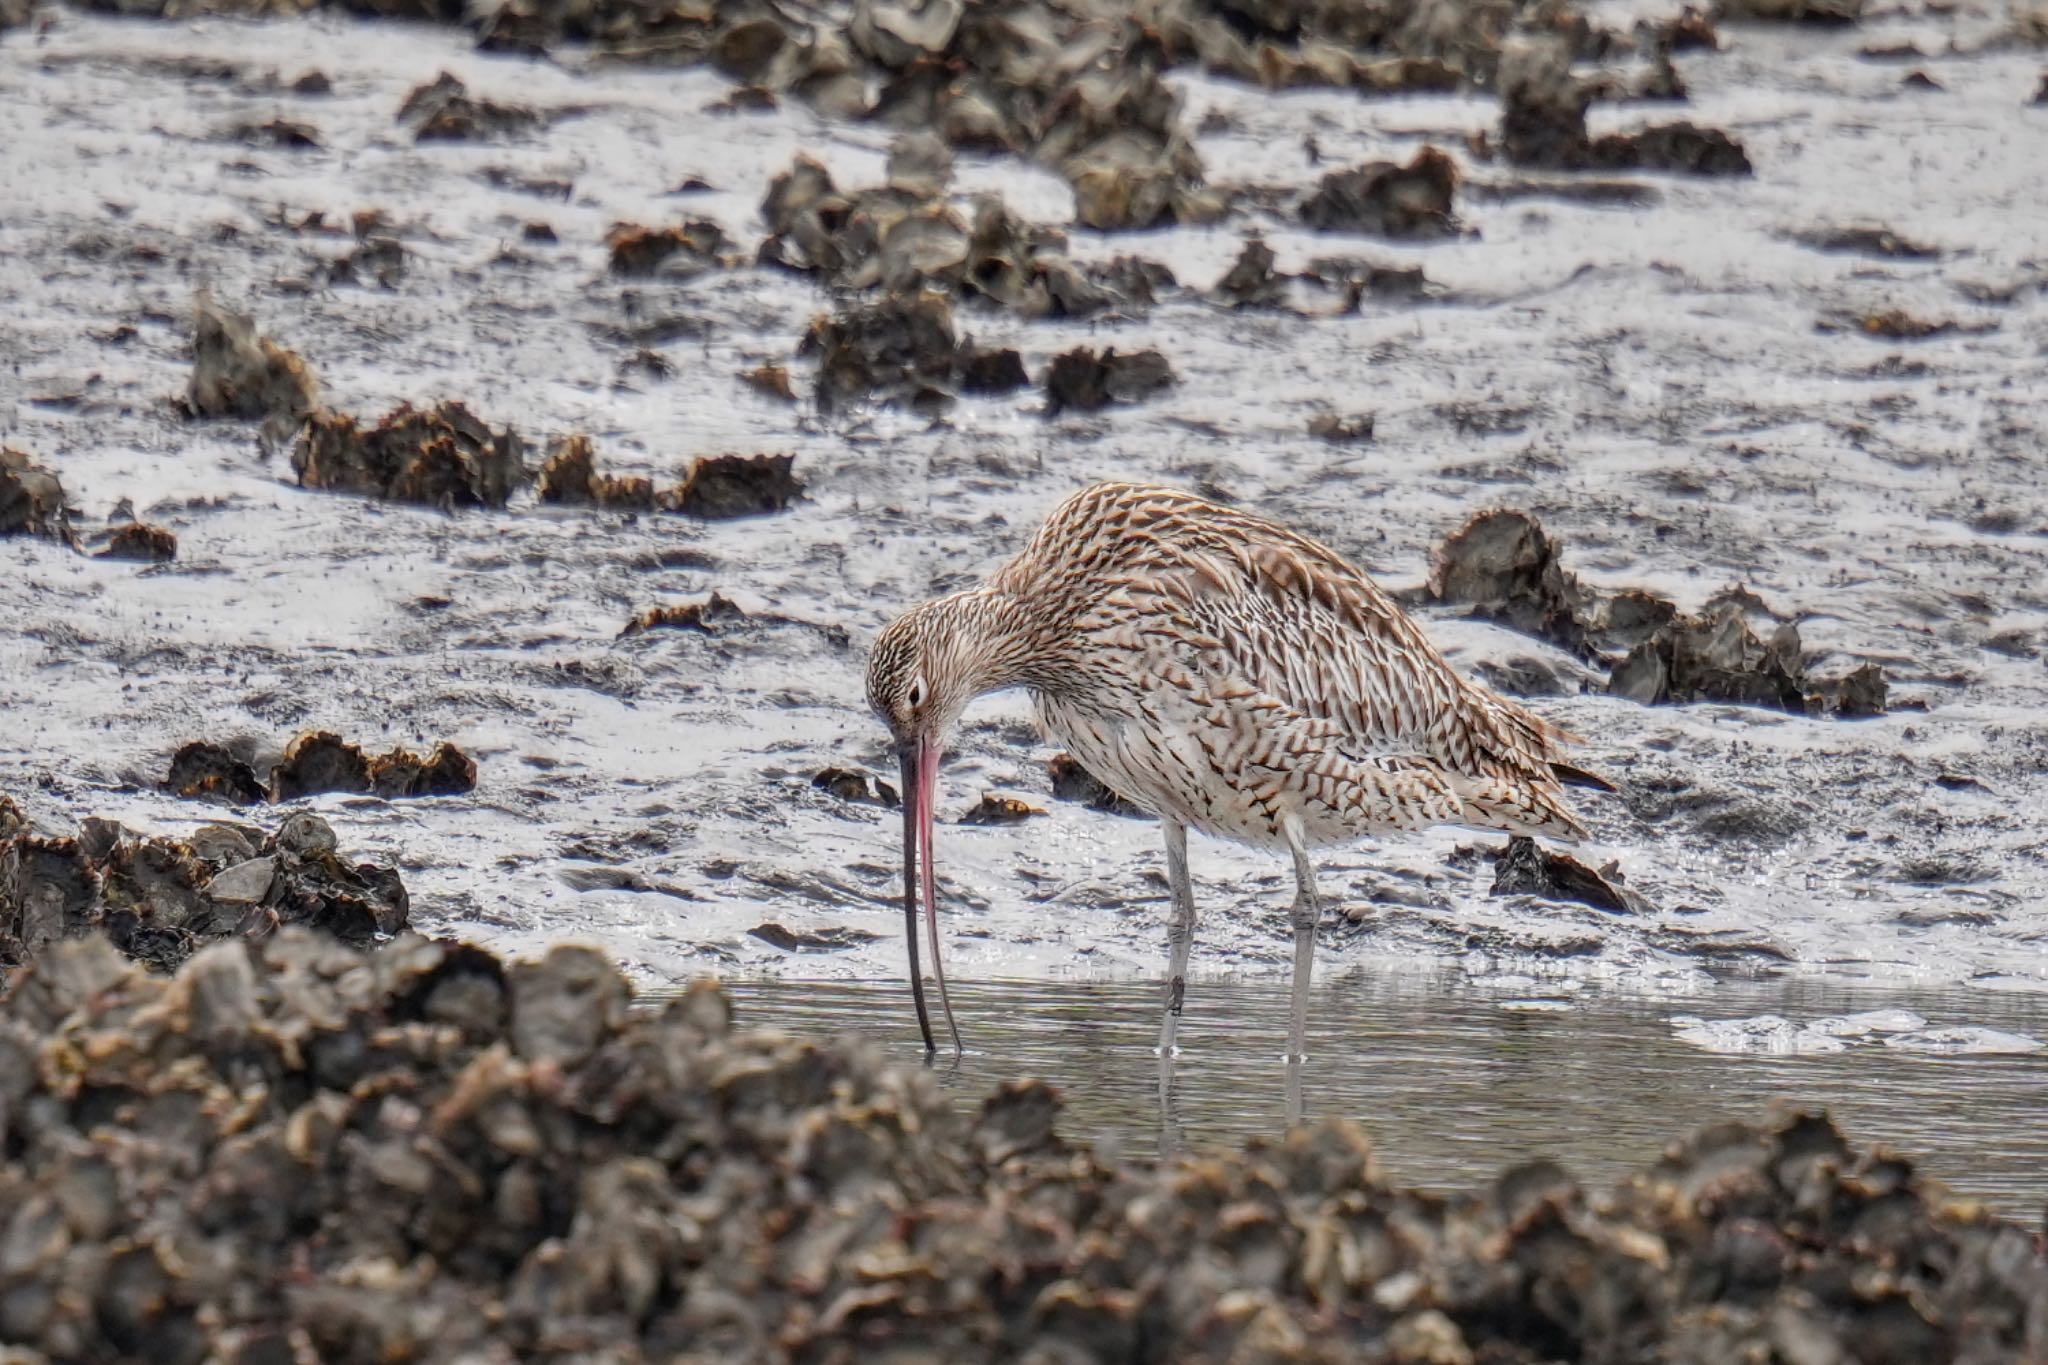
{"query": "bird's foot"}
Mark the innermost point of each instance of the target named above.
(1170, 1050)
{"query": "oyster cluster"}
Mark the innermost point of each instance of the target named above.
(293, 1150)
(159, 899)
(316, 761)
(1504, 567)
(32, 500)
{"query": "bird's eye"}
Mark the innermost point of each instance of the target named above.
(915, 696)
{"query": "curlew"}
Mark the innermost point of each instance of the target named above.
(1228, 675)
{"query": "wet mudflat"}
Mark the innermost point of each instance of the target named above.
(1697, 383)
(1452, 1081)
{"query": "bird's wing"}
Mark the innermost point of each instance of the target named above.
(1214, 738)
(1313, 637)
(1291, 618)
(1327, 647)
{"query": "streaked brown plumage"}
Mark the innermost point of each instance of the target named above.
(1227, 673)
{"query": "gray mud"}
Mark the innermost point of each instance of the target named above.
(1679, 377)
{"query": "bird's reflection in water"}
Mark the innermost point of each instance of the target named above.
(1172, 1136)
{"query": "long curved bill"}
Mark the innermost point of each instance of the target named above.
(920, 773)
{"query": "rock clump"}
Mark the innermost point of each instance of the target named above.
(158, 900)
(203, 770)
(315, 762)
(441, 456)
(424, 1153)
(1251, 281)
(1089, 380)
(32, 500)
(569, 477)
(239, 373)
(1829, 13)
(714, 615)
(1375, 49)
(682, 252)
(902, 349)
(860, 788)
(716, 488)
(1736, 651)
(1526, 868)
(722, 487)
(1072, 782)
(1502, 566)
(1078, 90)
(994, 809)
(443, 110)
(905, 236)
(1543, 123)
(320, 761)
(1411, 202)
(140, 541)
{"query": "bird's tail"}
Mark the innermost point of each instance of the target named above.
(1514, 806)
(1533, 737)
(1581, 777)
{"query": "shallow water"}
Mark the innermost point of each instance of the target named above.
(1455, 1082)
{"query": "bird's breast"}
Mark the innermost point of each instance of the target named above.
(1161, 762)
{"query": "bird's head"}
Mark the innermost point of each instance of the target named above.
(923, 671)
(919, 673)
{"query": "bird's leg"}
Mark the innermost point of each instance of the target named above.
(1308, 912)
(1180, 934)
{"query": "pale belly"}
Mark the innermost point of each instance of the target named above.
(1163, 769)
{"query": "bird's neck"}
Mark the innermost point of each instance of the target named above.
(1000, 642)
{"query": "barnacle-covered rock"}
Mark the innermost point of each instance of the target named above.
(678, 252)
(1716, 656)
(1504, 567)
(720, 487)
(899, 349)
(443, 110)
(142, 542)
(1525, 867)
(1072, 782)
(320, 761)
(710, 616)
(1089, 380)
(1543, 122)
(905, 237)
(1251, 281)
